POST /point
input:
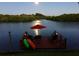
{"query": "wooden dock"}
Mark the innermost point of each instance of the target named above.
(47, 43)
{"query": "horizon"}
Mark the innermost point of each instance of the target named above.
(46, 8)
(39, 13)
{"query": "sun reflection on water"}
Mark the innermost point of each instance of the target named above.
(36, 31)
(37, 22)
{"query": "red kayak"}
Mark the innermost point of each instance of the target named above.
(31, 43)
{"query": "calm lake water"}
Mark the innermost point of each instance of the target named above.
(69, 30)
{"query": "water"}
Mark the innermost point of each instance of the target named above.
(70, 30)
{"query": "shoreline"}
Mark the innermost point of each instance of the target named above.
(35, 20)
(28, 18)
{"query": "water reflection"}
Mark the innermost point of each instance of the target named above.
(36, 31)
(68, 30)
(37, 22)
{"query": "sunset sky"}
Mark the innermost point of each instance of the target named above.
(46, 8)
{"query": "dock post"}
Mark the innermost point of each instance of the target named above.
(10, 40)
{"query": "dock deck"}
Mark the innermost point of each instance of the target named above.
(47, 43)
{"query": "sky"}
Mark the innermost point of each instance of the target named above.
(46, 8)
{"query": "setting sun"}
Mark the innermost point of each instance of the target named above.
(36, 3)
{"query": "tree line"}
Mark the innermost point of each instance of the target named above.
(64, 18)
(28, 18)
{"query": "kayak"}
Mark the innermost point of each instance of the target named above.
(38, 42)
(27, 42)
